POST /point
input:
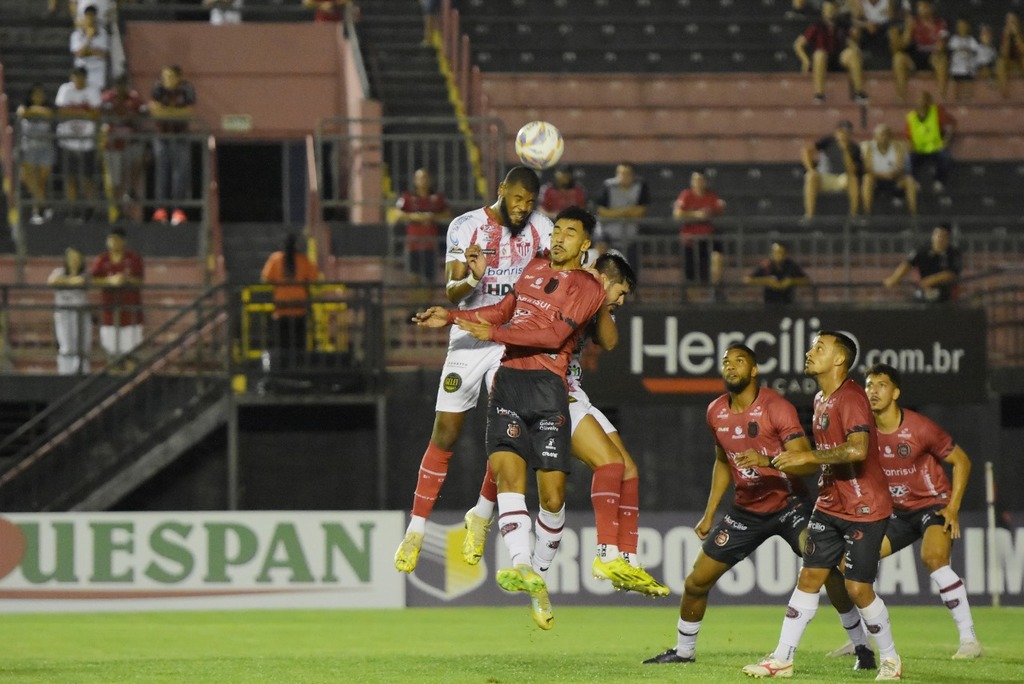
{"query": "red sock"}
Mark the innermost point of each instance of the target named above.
(629, 511)
(433, 470)
(489, 488)
(604, 495)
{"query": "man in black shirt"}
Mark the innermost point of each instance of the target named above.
(779, 276)
(938, 266)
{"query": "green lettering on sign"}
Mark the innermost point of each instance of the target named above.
(64, 554)
(218, 560)
(103, 548)
(172, 549)
(286, 539)
(337, 539)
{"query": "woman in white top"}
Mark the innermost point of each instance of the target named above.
(71, 320)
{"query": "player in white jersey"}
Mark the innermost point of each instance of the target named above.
(487, 250)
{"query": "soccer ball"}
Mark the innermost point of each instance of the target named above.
(539, 145)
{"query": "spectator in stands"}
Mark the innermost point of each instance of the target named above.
(290, 272)
(72, 323)
(90, 45)
(123, 107)
(120, 272)
(562, 193)
(833, 48)
(224, 11)
(938, 267)
(696, 206)
(1011, 52)
(964, 56)
(930, 130)
(170, 105)
(105, 10)
(623, 197)
(327, 10)
(78, 109)
(35, 142)
(878, 23)
(833, 164)
(988, 54)
(778, 275)
(421, 210)
(431, 20)
(885, 170)
(921, 45)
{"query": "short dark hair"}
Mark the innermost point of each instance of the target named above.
(91, 9)
(577, 214)
(38, 85)
(524, 176)
(118, 231)
(846, 342)
(79, 71)
(617, 269)
(886, 369)
(945, 226)
(739, 346)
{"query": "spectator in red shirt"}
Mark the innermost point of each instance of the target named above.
(562, 193)
(921, 45)
(119, 271)
(833, 48)
(421, 210)
(326, 10)
(695, 206)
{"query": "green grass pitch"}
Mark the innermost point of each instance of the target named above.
(485, 645)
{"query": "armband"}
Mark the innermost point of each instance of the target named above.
(471, 280)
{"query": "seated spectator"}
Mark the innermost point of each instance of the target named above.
(878, 24)
(696, 206)
(833, 49)
(421, 210)
(778, 275)
(832, 164)
(90, 44)
(35, 143)
(938, 266)
(988, 54)
(78, 109)
(72, 323)
(930, 129)
(964, 55)
(224, 11)
(623, 197)
(170, 105)
(1011, 52)
(562, 193)
(122, 109)
(885, 170)
(921, 45)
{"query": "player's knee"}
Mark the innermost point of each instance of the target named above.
(933, 559)
(631, 471)
(552, 501)
(697, 586)
(861, 593)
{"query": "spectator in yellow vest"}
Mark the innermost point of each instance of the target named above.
(930, 130)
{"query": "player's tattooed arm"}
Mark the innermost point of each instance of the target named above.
(853, 450)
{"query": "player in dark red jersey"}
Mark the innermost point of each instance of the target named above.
(852, 511)
(912, 450)
(539, 322)
(751, 425)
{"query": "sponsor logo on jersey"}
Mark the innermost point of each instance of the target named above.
(452, 382)
(899, 491)
(737, 432)
(863, 510)
(549, 454)
(887, 452)
(722, 538)
(498, 289)
(733, 523)
(723, 429)
(502, 411)
(750, 473)
(512, 430)
(816, 526)
(757, 411)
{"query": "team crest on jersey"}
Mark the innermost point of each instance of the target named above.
(520, 247)
(452, 382)
(823, 422)
(551, 286)
(752, 429)
(512, 430)
(903, 450)
(722, 538)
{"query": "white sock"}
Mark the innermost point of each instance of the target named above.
(484, 508)
(514, 524)
(686, 646)
(876, 617)
(630, 558)
(801, 609)
(416, 524)
(548, 531)
(607, 552)
(854, 627)
(954, 595)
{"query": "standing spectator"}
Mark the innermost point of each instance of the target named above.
(778, 275)
(930, 130)
(921, 45)
(696, 206)
(326, 10)
(71, 321)
(35, 144)
(833, 49)
(119, 271)
(170, 105)
(938, 267)
(562, 193)
(224, 11)
(625, 196)
(833, 164)
(964, 53)
(90, 45)
(431, 20)
(1011, 52)
(885, 169)
(290, 272)
(421, 210)
(122, 107)
(78, 108)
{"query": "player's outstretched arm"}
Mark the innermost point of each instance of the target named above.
(853, 450)
(434, 317)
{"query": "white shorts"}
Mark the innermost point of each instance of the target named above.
(120, 339)
(580, 406)
(469, 362)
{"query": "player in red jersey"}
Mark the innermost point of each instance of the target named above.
(751, 425)
(539, 322)
(912, 450)
(852, 511)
